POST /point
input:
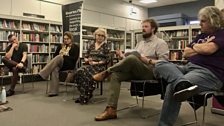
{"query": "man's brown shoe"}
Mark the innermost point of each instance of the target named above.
(101, 76)
(109, 113)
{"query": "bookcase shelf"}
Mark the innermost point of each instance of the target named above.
(178, 37)
(41, 37)
(116, 38)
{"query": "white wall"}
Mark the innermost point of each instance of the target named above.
(113, 13)
(106, 13)
(18, 7)
(219, 4)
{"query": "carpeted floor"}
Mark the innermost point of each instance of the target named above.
(33, 108)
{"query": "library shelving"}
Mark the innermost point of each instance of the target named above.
(177, 38)
(128, 38)
(41, 36)
(115, 37)
(7, 26)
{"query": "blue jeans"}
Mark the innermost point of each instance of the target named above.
(174, 74)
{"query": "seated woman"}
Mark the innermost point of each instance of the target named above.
(65, 58)
(96, 60)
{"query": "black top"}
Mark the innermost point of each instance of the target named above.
(18, 54)
(69, 61)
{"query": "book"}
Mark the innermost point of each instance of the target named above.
(132, 52)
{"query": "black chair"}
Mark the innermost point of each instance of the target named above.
(142, 88)
(26, 75)
(203, 96)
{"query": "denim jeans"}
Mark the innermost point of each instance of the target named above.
(174, 74)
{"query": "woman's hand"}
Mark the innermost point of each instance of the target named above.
(119, 53)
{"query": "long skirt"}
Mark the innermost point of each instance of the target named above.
(85, 83)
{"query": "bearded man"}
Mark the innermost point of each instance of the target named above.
(133, 66)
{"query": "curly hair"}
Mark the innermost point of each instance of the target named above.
(213, 15)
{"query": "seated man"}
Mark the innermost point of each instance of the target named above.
(134, 66)
(203, 72)
(15, 60)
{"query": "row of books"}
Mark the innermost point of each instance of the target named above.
(35, 37)
(37, 58)
(196, 32)
(87, 43)
(56, 38)
(43, 48)
(112, 44)
(181, 33)
(181, 44)
(3, 46)
(8, 24)
(53, 48)
(34, 26)
(1, 56)
(110, 34)
(4, 34)
(115, 34)
(55, 28)
(175, 55)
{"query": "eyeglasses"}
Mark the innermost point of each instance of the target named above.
(100, 35)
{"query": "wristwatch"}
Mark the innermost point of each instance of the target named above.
(22, 62)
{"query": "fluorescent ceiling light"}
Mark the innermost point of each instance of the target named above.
(195, 22)
(147, 1)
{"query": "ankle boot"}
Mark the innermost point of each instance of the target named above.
(109, 113)
(101, 76)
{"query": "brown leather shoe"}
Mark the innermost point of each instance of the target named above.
(109, 113)
(101, 76)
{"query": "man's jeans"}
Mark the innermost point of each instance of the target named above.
(174, 74)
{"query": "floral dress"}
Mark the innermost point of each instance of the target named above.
(83, 76)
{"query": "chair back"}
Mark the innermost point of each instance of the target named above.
(29, 63)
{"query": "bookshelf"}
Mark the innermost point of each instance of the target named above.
(128, 38)
(115, 37)
(7, 26)
(41, 36)
(177, 38)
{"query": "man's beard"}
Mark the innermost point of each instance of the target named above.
(146, 35)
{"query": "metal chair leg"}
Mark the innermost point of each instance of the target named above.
(101, 88)
(21, 77)
(47, 87)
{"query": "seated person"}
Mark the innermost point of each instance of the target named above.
(133, 67)
(96, 59)
(65, 58)
(15, 60)
(203, 72)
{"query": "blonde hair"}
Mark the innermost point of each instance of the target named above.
(214, 15)
(100, 30)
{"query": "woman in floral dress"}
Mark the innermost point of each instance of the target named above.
(96, 60)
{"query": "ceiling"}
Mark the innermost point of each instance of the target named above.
(135, 2)
(159, 3)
